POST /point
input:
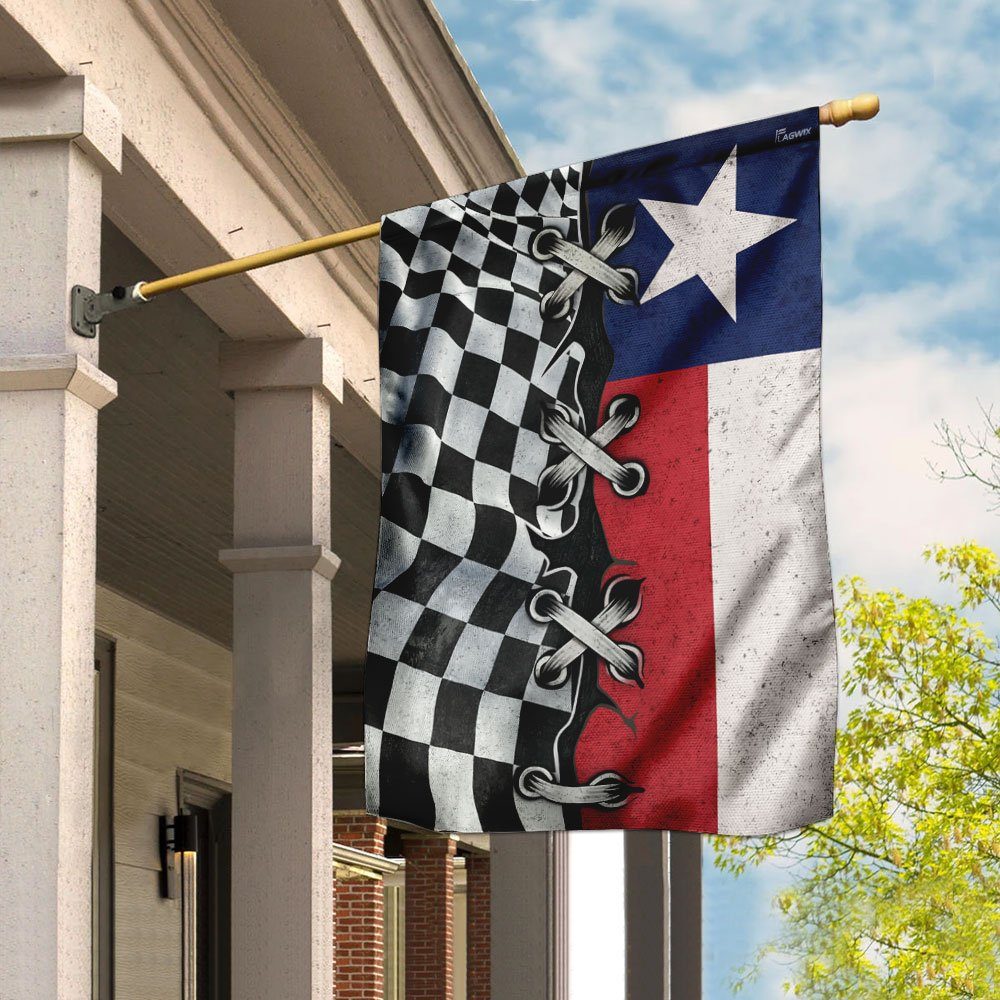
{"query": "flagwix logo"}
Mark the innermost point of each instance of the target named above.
(783, 135)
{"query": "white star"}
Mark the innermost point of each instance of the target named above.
(707, 237)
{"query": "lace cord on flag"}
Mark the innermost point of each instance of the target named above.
(585, 455)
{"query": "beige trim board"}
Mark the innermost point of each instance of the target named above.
(267, 559)
(283, 364)
(71, 372)
(230, 89)
(69, 107)
(364, 862)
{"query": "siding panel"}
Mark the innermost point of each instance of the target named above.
(173, 706)
(147, 938)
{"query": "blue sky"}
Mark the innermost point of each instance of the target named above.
(909, 244)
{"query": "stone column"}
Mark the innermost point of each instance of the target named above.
(282, 907)
(685, 914)
(430, 916)
(477, 902)
(56, 138)
(529, 918)
(662, 914)
(647, 914)
(359, 968)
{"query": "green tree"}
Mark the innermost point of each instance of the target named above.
(898, 895)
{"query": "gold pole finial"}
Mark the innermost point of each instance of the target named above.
(859, 108)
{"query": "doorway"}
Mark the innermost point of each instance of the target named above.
(206, 890)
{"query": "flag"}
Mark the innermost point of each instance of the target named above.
(602, 594)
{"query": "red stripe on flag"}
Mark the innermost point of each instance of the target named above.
(664, 738)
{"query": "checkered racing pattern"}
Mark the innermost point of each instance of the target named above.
(602, 595)
(452, 710)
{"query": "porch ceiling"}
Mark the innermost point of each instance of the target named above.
(383, 92)
(165, 481)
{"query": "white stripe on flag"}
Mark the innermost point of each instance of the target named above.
(776, 666)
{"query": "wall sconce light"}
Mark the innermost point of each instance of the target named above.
(178, 837)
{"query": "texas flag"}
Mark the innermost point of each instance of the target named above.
(734, 730)
(603, 593)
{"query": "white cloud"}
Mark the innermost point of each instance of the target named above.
(620, 73)
(886, 384)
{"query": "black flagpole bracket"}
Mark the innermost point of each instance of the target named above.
(88, 308)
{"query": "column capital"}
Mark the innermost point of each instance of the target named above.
(71, 372)
(67, 107)
(264, 559)
(282, 364)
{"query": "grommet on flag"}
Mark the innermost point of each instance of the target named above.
(556, 484)
(548, 244)
(622, 601)
(604, 791)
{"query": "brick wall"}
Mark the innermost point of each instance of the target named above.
(430, 917)
(360, 830)
(430, 901)
(477, 895)
(359, 948)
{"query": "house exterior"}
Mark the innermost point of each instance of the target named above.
(188, 516)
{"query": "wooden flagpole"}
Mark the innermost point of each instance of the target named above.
(89, 308)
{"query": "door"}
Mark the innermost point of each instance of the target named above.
(102, 858)
(207, 935)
